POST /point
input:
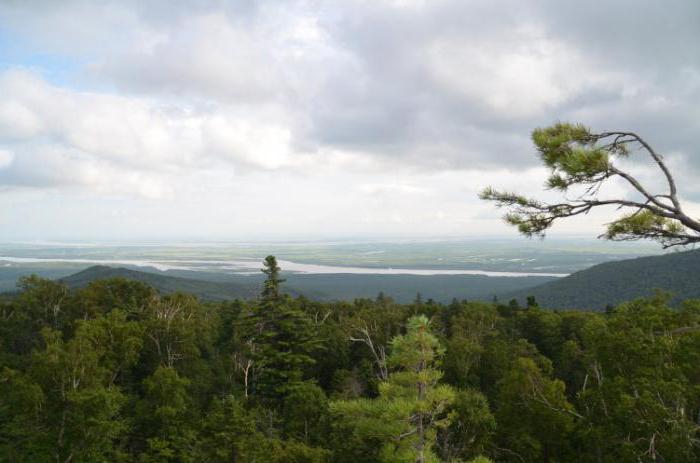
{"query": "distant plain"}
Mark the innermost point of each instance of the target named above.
(335, 270)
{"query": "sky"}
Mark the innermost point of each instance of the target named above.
(291, 120)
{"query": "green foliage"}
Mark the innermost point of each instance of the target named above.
(21, 403)
(641, 223)
(569, 151)
(620, 281)
(411, 406)
(471, 430)
(533, 410)
(70, 411)
(123, 374)
(481, 459)
(283, 339)
(284, 344)
(115, 293)
(229, 433)
(164, 413)
(271, 286)
(306, 414)
(133, 285)
(43, 300)
(581, 160)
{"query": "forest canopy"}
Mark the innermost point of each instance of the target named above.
(117, 372)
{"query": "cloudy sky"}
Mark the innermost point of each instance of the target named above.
(245, 120)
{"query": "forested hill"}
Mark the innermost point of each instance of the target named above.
(614, 282)
(206, 290)
(323, 287)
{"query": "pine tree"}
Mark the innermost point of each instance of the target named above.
(411, 406)
(579, 158)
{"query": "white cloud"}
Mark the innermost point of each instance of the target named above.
(393, 189)
(249, 142)
(6, 158)
(205, 56)
(523, 75)
(17, 121)
(114, 143)
(332, 117)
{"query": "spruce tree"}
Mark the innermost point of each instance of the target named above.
(285, 338)
(271, 286)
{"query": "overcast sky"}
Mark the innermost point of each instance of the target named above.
(245, 120)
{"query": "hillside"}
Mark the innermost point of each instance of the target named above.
(206, 290)
(403, 288)
(340, 286)
(614, 282)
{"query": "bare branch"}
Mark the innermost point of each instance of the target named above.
(378, 352)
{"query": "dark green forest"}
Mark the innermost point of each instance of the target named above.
(334, 286)
(616, 282)
(116, 372)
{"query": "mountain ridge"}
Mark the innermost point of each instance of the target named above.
(325, 287)
(611, 283)
(206, 290)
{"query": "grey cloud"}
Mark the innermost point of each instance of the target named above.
(385, 80)
(647, 44)
(659, 37)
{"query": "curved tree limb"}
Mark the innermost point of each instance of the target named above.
(577, 157)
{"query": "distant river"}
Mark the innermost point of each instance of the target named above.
(252, 266)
